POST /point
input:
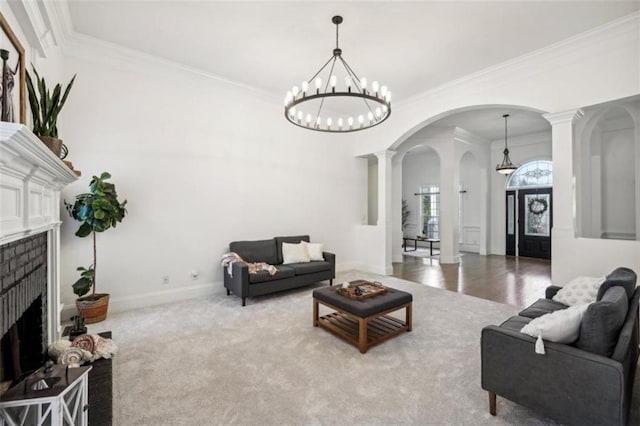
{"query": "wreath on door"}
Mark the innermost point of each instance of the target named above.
(538, 206)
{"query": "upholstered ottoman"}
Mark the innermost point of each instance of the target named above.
(364, 322)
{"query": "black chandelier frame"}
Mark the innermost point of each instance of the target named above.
(370, 118)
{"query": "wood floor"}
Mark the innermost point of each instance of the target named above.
(517, 281)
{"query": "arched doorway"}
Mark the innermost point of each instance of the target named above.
(529, 206)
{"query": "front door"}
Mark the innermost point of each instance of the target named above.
(535, 222)
(511, 223)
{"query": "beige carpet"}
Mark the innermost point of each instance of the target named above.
(211, 361)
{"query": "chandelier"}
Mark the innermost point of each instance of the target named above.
(507, 167)
(333, 107)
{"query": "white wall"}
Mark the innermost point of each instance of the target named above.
(201, 162)
(470, 202)
(372, 191)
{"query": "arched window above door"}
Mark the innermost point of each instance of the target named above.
(532, 174)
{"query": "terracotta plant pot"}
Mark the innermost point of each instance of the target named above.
(54, 144)
(94, 307)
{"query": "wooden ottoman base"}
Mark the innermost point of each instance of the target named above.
(362, 332)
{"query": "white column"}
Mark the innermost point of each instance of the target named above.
(564, 210)
(385, 205)
(396, 239)
(449, 203)
(485, 178)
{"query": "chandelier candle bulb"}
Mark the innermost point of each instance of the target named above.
(371, 109)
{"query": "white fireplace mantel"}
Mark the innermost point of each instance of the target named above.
(31, 178)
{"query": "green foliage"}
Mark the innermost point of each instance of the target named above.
(97, 210)
(85, 282)
(45, 110)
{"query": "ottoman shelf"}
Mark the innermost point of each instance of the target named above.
(349, 320)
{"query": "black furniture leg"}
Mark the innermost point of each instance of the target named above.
(331, 282)
(244, 301)
(492, 403)
(228, 292)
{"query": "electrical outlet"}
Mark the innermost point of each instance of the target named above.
(165, 280)
(194, 274)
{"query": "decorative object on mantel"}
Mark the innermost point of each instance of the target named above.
(45, 110)
(98, 210)
(303, 106)
(11, 53)
(506, 167)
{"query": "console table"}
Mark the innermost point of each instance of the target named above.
(415, 243)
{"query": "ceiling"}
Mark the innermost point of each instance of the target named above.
(410, 46)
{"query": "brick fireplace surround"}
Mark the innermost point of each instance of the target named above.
(31, 178)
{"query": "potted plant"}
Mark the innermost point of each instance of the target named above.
(97, 210)
(78, 328)
(45, 107)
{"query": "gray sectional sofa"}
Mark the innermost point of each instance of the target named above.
(289, 276)
(586, 383)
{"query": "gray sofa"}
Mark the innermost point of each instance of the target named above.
(289, 276)
(588, 382)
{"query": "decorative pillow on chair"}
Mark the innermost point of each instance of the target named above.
(561, 326)
(579, 291)
(294, 253)
(314, 250)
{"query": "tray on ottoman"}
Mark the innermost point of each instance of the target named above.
(364, 322)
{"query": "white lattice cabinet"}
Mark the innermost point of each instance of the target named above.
(65, 403)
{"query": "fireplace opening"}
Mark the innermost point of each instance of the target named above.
(21, 348)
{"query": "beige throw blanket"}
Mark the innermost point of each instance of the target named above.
(228, 259)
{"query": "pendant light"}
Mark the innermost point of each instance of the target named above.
(507, 167)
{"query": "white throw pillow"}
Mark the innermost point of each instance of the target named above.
(294, 253)
(579, 291)
(314, 250)
(561, 326)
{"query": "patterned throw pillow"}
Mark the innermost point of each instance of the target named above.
(579, 291)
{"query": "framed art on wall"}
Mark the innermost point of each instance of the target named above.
(12, 79)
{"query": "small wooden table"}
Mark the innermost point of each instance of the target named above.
(415, 243)
(365, 322)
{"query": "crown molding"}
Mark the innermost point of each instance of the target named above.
(567, 48)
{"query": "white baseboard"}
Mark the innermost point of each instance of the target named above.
(137, 301)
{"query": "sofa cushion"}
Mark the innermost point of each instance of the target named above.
(579, 291)
(541, 307)
(515, 323)
(623, 277)
(310, 267)
(602, 321)
(256, 251)
(562, 326)
(314, 250)
(294, 253)
(292, 240)
(263, 276)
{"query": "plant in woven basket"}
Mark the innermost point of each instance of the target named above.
(98, 211)
(46, 105)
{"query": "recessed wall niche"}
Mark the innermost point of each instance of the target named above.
(607, 158)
